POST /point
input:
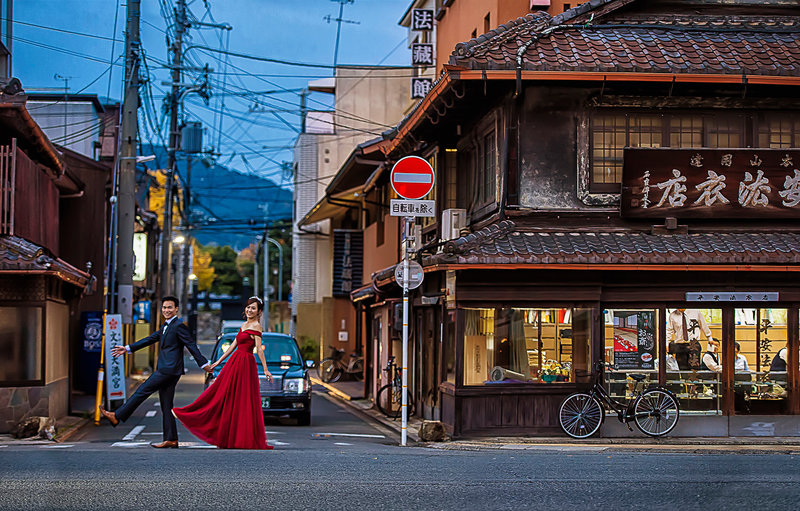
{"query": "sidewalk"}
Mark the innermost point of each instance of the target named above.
(350, 394)
(695, 445)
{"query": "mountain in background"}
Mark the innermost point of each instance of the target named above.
(229, 207)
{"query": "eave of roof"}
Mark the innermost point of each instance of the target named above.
(21, 125)
(22, 257)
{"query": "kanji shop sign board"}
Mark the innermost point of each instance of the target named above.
(412, 177)
(710, 183)
(115, 368)
(725, 296)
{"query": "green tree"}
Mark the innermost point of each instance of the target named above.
(227, 279)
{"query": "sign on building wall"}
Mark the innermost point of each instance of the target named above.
(422, 54)
(420, 87)
(711, 183)
(115, 368)
(139, 256)
(422, 19)
(348, 260)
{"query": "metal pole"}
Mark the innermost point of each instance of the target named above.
(280, 267)
(127, 168)
(255, 270)
(404, 408)
(166, 231)
(266, 284)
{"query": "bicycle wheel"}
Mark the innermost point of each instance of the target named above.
(328, 372)
(580, 415)
(656, 412)
(358, 370)
(390, 403)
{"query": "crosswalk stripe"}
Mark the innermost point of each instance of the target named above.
(135, 431)
(341, 443)
(129, 444)
(60, 446)
(151, 413)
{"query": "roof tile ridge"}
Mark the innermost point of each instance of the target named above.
(467, 48)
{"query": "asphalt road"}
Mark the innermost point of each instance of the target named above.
(342, 462)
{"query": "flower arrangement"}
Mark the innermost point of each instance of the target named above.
(551, 368)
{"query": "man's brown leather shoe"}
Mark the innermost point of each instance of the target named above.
(111, 416)
(166, 444)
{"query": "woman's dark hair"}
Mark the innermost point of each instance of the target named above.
(169, 298)
(738, 346)
(256, 300)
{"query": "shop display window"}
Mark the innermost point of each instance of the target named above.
(760, 385)
(631, 346)
(525, 345)
(695, 355)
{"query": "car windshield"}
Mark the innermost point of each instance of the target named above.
(278, 349)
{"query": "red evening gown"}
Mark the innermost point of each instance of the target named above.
(228, 413)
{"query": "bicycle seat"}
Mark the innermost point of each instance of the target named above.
(638, 377)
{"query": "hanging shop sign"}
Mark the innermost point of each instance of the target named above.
(634, 339)
(711, 183)
(724, 296)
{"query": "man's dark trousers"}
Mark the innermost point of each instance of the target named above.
(165, 385)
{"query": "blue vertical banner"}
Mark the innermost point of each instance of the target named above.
(115, 368)
(91, 341)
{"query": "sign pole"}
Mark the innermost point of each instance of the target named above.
(404, 408)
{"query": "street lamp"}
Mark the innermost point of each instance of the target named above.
(178, 239)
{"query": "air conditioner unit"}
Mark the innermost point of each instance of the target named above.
(453, 220)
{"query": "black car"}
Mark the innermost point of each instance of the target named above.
(289, 392)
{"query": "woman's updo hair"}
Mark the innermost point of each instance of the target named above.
(256, 300)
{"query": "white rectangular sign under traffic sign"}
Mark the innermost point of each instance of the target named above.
(400, 207)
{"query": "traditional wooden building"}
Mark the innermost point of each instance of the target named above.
(619, 168)
(39, 290)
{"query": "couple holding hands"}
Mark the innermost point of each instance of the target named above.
(228, 413)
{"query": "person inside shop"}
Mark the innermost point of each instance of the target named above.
(741, 364)
(779, 361)
(711, 360)
(684, 327)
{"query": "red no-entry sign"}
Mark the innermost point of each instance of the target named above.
(412, 178)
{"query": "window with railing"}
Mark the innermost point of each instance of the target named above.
(8, 174)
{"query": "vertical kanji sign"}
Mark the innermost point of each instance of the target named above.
(115, 367)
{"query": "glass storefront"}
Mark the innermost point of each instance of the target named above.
(525, 345)
(630, 347)
(539, 345)
(760, 385)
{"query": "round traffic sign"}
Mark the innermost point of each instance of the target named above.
(415, 274)
(412, 177)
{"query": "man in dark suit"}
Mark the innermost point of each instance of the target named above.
(172, 337)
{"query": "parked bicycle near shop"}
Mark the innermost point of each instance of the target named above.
(332, 368)
(390, 396)
(654, 409)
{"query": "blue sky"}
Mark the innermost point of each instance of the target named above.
(292, 30)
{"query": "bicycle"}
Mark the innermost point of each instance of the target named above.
(654, 409)
(332, 368)
(390, 396)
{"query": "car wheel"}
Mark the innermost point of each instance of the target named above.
(304, 418)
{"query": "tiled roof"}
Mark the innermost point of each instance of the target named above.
(504, 243)
(759, 45)
(18, 255)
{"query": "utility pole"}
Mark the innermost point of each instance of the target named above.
(127, 166)
(166, 231)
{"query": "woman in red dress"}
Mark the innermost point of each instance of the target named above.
(228, 413)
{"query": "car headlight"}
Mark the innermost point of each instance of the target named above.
(295, 385)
